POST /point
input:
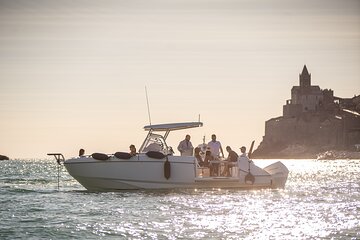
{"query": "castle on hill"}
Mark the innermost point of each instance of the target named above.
(313, 121)
(308, 98)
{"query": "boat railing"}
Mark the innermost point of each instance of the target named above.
(60, 159)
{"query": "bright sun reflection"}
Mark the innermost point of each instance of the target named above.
(321, 200)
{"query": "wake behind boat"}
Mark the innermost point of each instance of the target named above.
(156, 167)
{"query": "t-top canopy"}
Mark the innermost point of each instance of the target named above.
(173, 126)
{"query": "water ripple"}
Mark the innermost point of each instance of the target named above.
(321, 201)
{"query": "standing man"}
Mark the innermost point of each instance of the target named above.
(215, 147)
(185, 147)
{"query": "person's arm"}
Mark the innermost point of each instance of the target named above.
(228, 159)
(222, 152)
(180, 147)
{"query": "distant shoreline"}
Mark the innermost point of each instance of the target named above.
(326, 155)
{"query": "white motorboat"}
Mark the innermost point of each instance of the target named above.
(156, 167)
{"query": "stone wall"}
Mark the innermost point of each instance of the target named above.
(304, 136)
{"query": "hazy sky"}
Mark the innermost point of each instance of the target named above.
(73, 73)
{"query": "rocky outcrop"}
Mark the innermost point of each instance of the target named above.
(296, 151)
(2, 157)
(336, 154)
(309, 135)
(292, 151)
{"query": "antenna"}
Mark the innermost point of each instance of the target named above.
(147, 101)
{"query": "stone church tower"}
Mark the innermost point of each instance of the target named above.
(304, 98)
(305, 78)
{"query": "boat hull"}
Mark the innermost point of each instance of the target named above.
(143, 172)
(138, 172)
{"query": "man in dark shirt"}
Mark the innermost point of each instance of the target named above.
(231, 161)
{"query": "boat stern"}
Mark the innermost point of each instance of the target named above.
(279, 174)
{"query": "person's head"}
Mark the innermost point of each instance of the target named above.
(187, 137)
(81, 152)
(213, 137)
(132, 148)
(243, 149)
(228, 148)
(197, 150)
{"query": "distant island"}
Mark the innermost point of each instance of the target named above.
(3, 157)
(315, 124)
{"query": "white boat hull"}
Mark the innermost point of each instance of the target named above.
(143, 172)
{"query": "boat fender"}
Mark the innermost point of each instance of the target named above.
(122, 155)
(249, 178)
(167, 169)
(155, 154)
(100, 156)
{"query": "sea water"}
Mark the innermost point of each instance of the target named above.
(321, 200)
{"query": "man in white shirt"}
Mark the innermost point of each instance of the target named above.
(215, 147)
(185, 147)
(243, 152)
(243, 160)
(244, 166)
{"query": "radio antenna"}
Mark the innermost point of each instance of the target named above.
(148, 107)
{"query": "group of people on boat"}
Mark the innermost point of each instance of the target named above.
(207, 155)
(210, 156)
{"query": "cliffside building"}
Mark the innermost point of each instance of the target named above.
(307, 98)
(313, 120)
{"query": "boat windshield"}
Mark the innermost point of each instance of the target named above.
(155, 142)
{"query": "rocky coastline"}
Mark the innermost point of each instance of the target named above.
(297, 151)
(3, 157)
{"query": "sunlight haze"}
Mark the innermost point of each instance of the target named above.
(73, 73)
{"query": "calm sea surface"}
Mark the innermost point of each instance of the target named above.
(321, 201)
